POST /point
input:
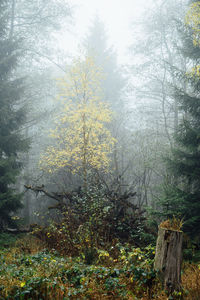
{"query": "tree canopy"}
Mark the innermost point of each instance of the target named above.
(12, 117)
(82, 140)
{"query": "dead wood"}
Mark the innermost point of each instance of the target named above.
(168, 258)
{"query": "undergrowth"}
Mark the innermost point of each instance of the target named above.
(7, 239)
(28, 270)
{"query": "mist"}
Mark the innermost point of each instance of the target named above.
(99, 145)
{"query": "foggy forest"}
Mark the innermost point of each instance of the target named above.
(99, 149)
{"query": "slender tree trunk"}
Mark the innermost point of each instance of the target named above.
(12, 20)
(27, 178)
(84, 155)
(175, 115)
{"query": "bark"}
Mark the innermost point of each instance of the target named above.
(168, 259)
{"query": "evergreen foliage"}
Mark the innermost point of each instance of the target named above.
(96, 46)
(12, 116)
(182, 190)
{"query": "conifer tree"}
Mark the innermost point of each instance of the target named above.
(96, 46)
(12, 116)
(182, 195)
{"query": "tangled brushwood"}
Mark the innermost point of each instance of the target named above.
(92, 220)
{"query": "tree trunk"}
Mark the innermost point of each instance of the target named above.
(12, 20)
(168, 259)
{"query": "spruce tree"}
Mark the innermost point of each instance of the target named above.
(105, 57)
(182, 191)
(12, 116)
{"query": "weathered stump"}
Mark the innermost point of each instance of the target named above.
(168, 259)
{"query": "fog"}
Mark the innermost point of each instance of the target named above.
(117, 24)
(118, 62)
(99, 149)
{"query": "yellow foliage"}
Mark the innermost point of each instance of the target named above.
(23, 284)
(82, 140)
(194, 73)
(193, 19)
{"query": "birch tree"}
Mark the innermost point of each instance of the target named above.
(82, 140)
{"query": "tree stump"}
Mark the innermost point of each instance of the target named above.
(168, 258)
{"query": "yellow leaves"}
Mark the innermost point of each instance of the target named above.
(82, 81)
(83, 280)
(81, 139)
(22, 284)
(193, 19)
(194, 73)
(103, 253)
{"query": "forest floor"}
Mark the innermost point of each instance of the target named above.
(29, 270)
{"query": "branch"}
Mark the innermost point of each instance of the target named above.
(40, 189)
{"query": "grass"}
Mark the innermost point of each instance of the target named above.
(174, 224)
